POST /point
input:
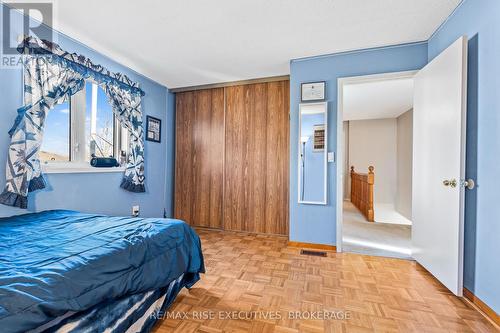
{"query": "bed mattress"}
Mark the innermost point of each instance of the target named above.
(58, 262)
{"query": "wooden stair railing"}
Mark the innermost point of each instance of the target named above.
(362, 192)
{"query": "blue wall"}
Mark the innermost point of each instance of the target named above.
(97, 192)
(479, 20)
(312, 223)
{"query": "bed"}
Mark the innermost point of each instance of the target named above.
(65, 271)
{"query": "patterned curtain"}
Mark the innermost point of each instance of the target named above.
(51, 76)
(127, 107)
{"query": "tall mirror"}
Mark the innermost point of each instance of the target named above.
(312, 153)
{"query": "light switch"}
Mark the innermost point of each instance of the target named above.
(331, 156)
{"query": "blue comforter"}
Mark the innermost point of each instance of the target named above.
(58, 261)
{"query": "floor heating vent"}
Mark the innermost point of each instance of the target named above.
(313, 253)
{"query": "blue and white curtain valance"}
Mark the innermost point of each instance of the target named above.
(51, 77)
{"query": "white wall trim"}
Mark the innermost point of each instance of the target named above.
(63, 168)
(340, 140)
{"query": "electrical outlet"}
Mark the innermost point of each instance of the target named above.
(135, 211)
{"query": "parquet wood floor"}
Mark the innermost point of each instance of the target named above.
(262, 280)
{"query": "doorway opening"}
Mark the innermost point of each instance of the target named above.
(438, 164)
(376, 140)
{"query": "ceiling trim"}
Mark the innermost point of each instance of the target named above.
(438, 29)
(232, 83)
(350, 51)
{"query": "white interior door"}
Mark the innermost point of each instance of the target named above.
(439, 159)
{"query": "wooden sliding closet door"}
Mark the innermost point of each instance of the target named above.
(256, 158)
(199, 153)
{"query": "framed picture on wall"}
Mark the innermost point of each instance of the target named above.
(312, 91)
(153, 129)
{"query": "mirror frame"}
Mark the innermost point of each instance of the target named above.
(325, 153)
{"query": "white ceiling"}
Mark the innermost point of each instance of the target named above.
(187, 43)
(377, 99)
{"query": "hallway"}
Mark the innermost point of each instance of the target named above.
(386, 213)
(372, 238)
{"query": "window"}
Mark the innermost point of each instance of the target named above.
(55, 145)
(99, 123)
(85, 127)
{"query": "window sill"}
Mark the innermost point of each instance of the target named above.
(77, 168)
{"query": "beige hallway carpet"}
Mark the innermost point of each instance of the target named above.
(378, 239)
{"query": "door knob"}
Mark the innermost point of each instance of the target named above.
(451, 182)
(469, 184)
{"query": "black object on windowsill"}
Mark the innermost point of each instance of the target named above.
(104, 162)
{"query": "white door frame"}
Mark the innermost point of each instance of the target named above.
(340, 140)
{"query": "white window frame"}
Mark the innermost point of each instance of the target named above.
(77, 163)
